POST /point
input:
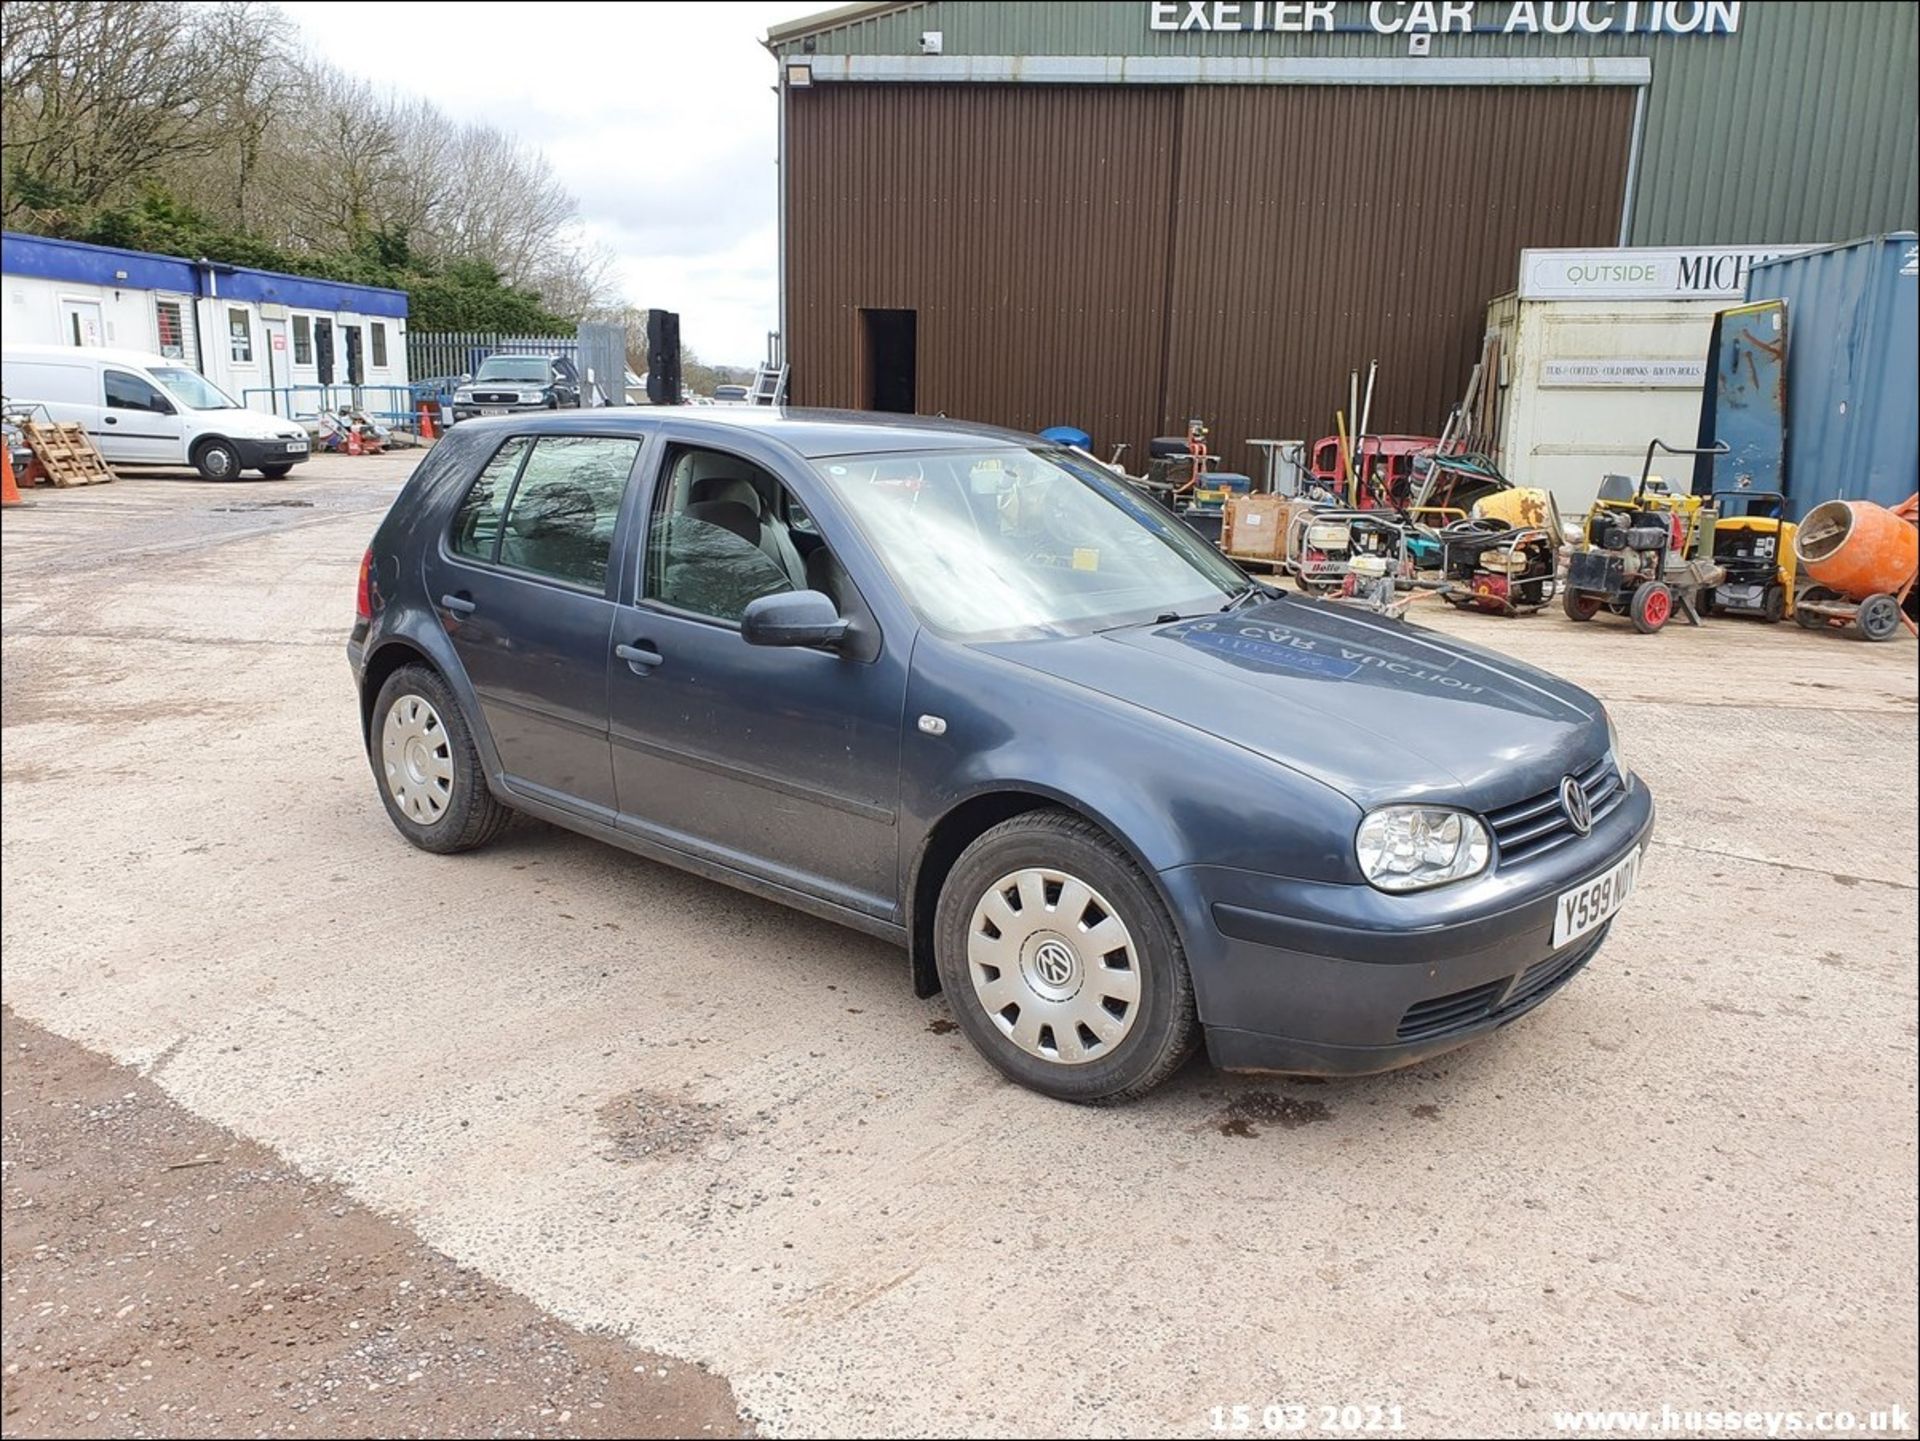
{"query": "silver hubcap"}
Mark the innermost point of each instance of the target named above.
(417, 759)
(1054, 966)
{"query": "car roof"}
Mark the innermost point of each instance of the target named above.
(811, 434)
(89, 352)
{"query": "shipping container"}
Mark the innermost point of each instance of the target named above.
(1853, 369)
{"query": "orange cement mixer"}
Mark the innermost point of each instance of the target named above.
(1860, 561)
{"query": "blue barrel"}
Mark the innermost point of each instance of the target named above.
(1067, 435)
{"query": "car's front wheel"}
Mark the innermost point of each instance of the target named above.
(427, 767)
(1061, 963)
(276, 472)
(217, 460)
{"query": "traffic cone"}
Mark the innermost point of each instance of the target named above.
(426, 424)
(9, 492)
(353, 440)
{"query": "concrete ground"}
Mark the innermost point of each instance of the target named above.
(729, 1134)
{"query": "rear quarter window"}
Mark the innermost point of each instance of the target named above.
(476, 525)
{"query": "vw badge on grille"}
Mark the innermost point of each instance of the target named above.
(1573, 801)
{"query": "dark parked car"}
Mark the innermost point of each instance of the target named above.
(513, 384)
(966, 691)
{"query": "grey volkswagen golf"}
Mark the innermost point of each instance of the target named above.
(949, 685)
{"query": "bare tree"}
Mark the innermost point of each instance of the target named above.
(98, 96)
(210, 104)
(249, 70)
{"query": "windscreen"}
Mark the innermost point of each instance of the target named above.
(1005, 541)
(193, 389)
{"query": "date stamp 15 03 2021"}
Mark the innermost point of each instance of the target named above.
(1288, 1418)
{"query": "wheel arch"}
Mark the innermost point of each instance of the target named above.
(959, 827)
(380, 665)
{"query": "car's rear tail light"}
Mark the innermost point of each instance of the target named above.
(363, 600)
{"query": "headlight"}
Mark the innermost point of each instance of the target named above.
(1613, 750)
(1408, 848)
(532, 397)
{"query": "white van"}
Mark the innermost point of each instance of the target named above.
(148, 410)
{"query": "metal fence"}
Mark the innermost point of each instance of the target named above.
(443, 353)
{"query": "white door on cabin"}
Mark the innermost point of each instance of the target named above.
(80, 322)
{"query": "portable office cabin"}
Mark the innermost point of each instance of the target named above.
(254, 333)
(1853, 369)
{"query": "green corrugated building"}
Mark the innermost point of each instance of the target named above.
(1117, 214)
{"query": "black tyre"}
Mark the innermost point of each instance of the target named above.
(1650, 607)
(217, 460)
(276, 472)
(1878, 617)
(1061, 963)
(425, 764)
(1773, 609)
(1578, 604)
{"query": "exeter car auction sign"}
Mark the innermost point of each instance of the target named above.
(1703, 272)
(1457, 17)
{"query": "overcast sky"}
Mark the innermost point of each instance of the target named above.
(658, 117)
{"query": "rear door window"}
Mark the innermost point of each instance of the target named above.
(561, 518)
(548, 507)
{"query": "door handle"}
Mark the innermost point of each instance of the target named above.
(639, 658)
(113, 420)
(458, 604)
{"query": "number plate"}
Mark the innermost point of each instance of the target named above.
(296, 445)
(493, 410)
(1592, 902)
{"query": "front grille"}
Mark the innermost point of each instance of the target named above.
(1535, 826)
(496, 397)
(1425, 1020)
(1542, 976)
(1450, 1013)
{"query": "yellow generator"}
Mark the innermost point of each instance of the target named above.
(1755, 549)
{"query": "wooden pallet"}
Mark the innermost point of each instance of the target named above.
(66, 452)
(1257, 562)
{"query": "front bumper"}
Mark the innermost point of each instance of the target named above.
(256, 453)
(1319, 979)
(479, 410)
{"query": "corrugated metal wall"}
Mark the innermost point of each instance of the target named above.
(1799, 129)
(1121, 257)
(1321, 227)
(1027, 226)
(1853, 362)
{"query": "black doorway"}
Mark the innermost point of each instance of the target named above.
(892, 338)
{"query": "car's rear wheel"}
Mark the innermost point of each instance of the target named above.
(1061, 963)
(427, 768)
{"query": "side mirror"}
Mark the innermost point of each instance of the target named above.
(794, 617)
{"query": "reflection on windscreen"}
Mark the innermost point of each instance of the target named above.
(1009, 540)
(193, 390)
(512, 370)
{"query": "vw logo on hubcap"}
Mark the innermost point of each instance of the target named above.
(1053, 963)
(1574, 802)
